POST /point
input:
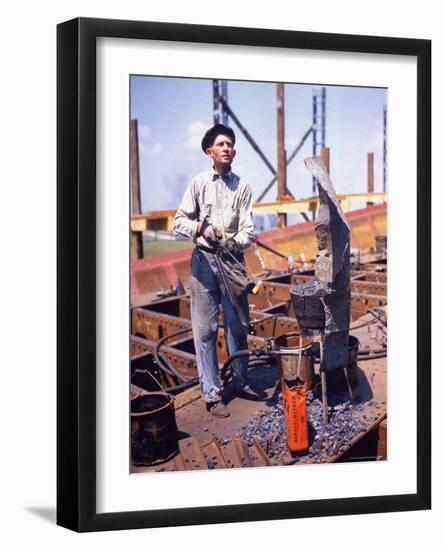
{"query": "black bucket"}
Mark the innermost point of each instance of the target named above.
(288, 364)
(336, 378)
(309, 309)
(154, 433)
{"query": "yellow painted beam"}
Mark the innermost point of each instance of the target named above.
(163, 219)
(138, 225)
(306, 205)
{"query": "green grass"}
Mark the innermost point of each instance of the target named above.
(155, 248)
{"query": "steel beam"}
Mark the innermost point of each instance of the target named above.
(247, 136)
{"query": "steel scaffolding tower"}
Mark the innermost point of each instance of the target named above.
(318, 125)
(220, 115)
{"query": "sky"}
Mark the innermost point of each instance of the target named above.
(174, 113)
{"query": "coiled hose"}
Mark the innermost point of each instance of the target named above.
(262, 357)
(166, 366)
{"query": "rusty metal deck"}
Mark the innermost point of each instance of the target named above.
(159, 311)
(207, 442)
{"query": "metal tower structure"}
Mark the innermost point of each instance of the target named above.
(318, 125)
(220, 115)
(222, 111)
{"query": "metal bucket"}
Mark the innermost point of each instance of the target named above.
(309, 310)
(288, 364)
(154, 433)
(336, 378)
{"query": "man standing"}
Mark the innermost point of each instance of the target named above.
(216, 213)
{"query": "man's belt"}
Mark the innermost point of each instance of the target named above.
(205, 249)
(212, 251)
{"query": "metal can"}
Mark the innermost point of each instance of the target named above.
(154, 433)
(288, 364)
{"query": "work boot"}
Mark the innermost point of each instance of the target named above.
(246, 392)
(218, 409)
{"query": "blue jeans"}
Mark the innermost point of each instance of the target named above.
(206, 295)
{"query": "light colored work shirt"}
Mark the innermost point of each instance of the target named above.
(225, 200)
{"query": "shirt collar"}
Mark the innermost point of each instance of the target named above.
(225, 177)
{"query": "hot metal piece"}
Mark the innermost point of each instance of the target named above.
(332, 267)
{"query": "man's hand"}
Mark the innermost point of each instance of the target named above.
(233, 247)
(210, 234)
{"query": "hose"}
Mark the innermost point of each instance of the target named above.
(183, 386)
(266, 355)
(263, 355)
(374, 351)
(370, 356)
(163, 363)
(173, 389)
(252, 363)
(232, 357)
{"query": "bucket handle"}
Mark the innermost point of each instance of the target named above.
(299, 353)
(157, 381)
(169, 397)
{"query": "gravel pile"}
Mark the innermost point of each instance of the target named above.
(267, 427)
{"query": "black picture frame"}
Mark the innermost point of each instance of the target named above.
(76, 274)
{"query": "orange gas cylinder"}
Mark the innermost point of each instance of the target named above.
(294, 398)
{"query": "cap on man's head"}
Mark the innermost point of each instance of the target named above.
(212, 133)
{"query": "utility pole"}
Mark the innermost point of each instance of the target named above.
(282, 165)
(370, 175)
(136, 241)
